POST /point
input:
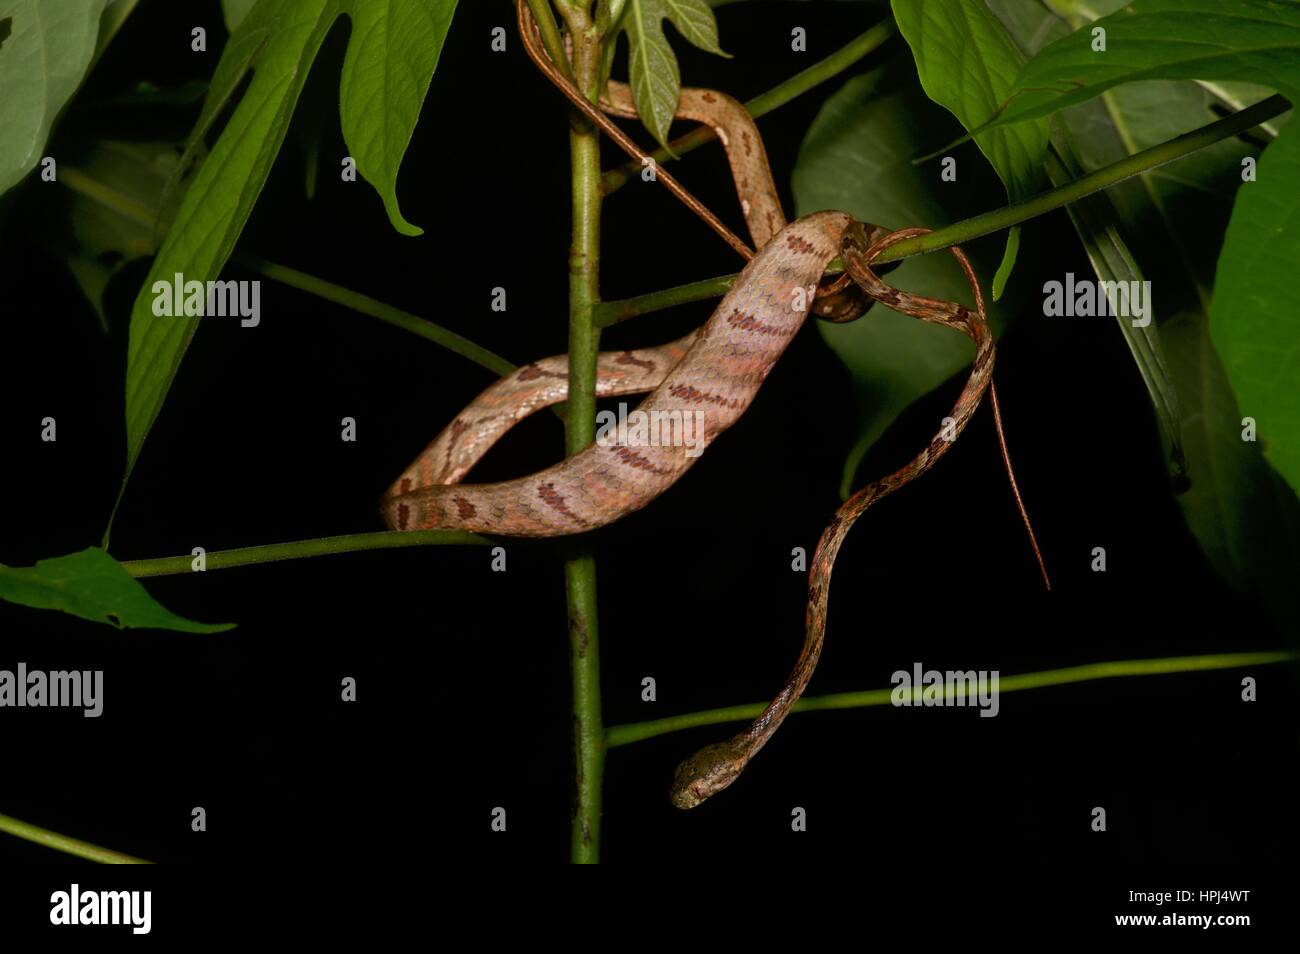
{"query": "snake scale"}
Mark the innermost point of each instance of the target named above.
(717, 370)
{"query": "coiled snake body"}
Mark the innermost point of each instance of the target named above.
(717, 370)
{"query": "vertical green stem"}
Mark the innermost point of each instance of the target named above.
(580, 431)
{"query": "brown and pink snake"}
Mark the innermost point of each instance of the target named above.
(717, 370)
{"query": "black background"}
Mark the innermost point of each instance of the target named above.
(464, 700)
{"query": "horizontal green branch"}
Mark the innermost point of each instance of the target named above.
(105, 195)
(1095, 181)
(635, 732)
(70, 846)
(378, 309)
(390, 314)
(612, 312)
(765, 102)
(298, 549)
(110, 198)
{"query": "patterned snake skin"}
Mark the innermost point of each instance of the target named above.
(716, 370)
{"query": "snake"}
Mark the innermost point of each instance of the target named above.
(716, 370)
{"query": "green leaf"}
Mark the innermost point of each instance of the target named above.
(286, 35)
(607, 14)
(1003, 274)
(384, 74)
(237, 59)
(1088, 139)
(1094, 219)
(48, 48)
(1246, 519)
(695, 21)
(655, 78)
(968, 64)
(391, 57)
(1174, 219)
(116, 196)
(94, 586)
(1256, 311)
(115, 14)
(1254, 41)
(234, 11)
(857, 157)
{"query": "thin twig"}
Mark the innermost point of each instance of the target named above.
(966, 230)
(366, 305)
(765, 102)
(1095, 181)
(618, 735)
(69, 846)
(299, 549)
(584, 105)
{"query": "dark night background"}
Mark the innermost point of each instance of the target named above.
(463, 673)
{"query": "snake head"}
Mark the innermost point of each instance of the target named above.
(708, 772)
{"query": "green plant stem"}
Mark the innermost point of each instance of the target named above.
(637, 731)
(1095, 181)
(76, 180)
(612, 312)
(70, 846)
(580, 431)
(378, 309)
(550, 34)
(299, 549)
(764, 103)
(85, 185)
